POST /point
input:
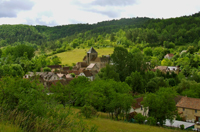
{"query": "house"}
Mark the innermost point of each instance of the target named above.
(76, 72)
(32, 74)
(166, 69)
(168, 56)
(93, 67)
(161, 68)
(87, 74)
(49, 76)
(92, 57)
(81, 65)
(189, 108)
(175, 69)
(61, 76)
(138, 107)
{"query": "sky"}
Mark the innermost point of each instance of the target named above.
(64, 12)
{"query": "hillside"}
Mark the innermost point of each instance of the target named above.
(180, 30)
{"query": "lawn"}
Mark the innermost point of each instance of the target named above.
(77, 55)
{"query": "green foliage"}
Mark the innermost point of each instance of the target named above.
(151, 121)
(166, 62)
(191, 49)
(72, 74)
(136, 82)
(134, 62)
(182, 127)
(140, 118)
(14, 70)
(148, 51)
(47, 69)
(88, 111)
(22, 95)
(108, 73)
(161, 104)
(19, 51)
(55, 60)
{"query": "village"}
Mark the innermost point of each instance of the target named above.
(188, 108)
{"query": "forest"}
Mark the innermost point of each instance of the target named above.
(136, 42)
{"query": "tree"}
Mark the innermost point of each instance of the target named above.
(62, 94)
(191, 49)
(166, 62)
(23, 95)
(55, 60)
(148, 51)
(47, 69)
(136, 82)
(0, 53)
(119, 58)
(108, 73)
(161, 104)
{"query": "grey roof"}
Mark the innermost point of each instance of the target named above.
(92, 50)
(176, 123)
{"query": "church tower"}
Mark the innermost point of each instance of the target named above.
(91, 55)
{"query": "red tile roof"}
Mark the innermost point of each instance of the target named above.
(75, 72)
(191, 103)
(170, 55)
(138, 103)
(87, 73)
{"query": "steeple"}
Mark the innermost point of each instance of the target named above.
(92, 50)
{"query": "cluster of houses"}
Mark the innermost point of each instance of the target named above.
(89, 67)
(187, 108)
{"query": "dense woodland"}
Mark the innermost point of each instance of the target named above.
(135, 41)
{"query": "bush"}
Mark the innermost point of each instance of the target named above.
(151, 121)
(88, 111)
(47, 69)
(182, 127)
(140, 118)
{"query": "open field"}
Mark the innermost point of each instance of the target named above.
(107, 125)
(77, 55)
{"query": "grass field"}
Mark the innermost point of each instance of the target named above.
(107, 125)
(77, 55)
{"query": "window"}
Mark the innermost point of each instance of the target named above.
(183, 109)
(195, 111)
(141, 107)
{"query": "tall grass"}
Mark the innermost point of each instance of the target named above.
(55, 121)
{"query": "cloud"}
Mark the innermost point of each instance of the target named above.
(114, 2)
(107, 12)
(10, 8)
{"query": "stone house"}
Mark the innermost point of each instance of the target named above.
(93, 67)
(189, 108)
(87, 74)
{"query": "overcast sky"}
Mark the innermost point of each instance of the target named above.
(62, 12)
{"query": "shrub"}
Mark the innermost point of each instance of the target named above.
(140, 118)
(182, 127)
(47, 69)
(151, 121)
(88, 111)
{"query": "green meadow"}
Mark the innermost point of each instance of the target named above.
(77, 55)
